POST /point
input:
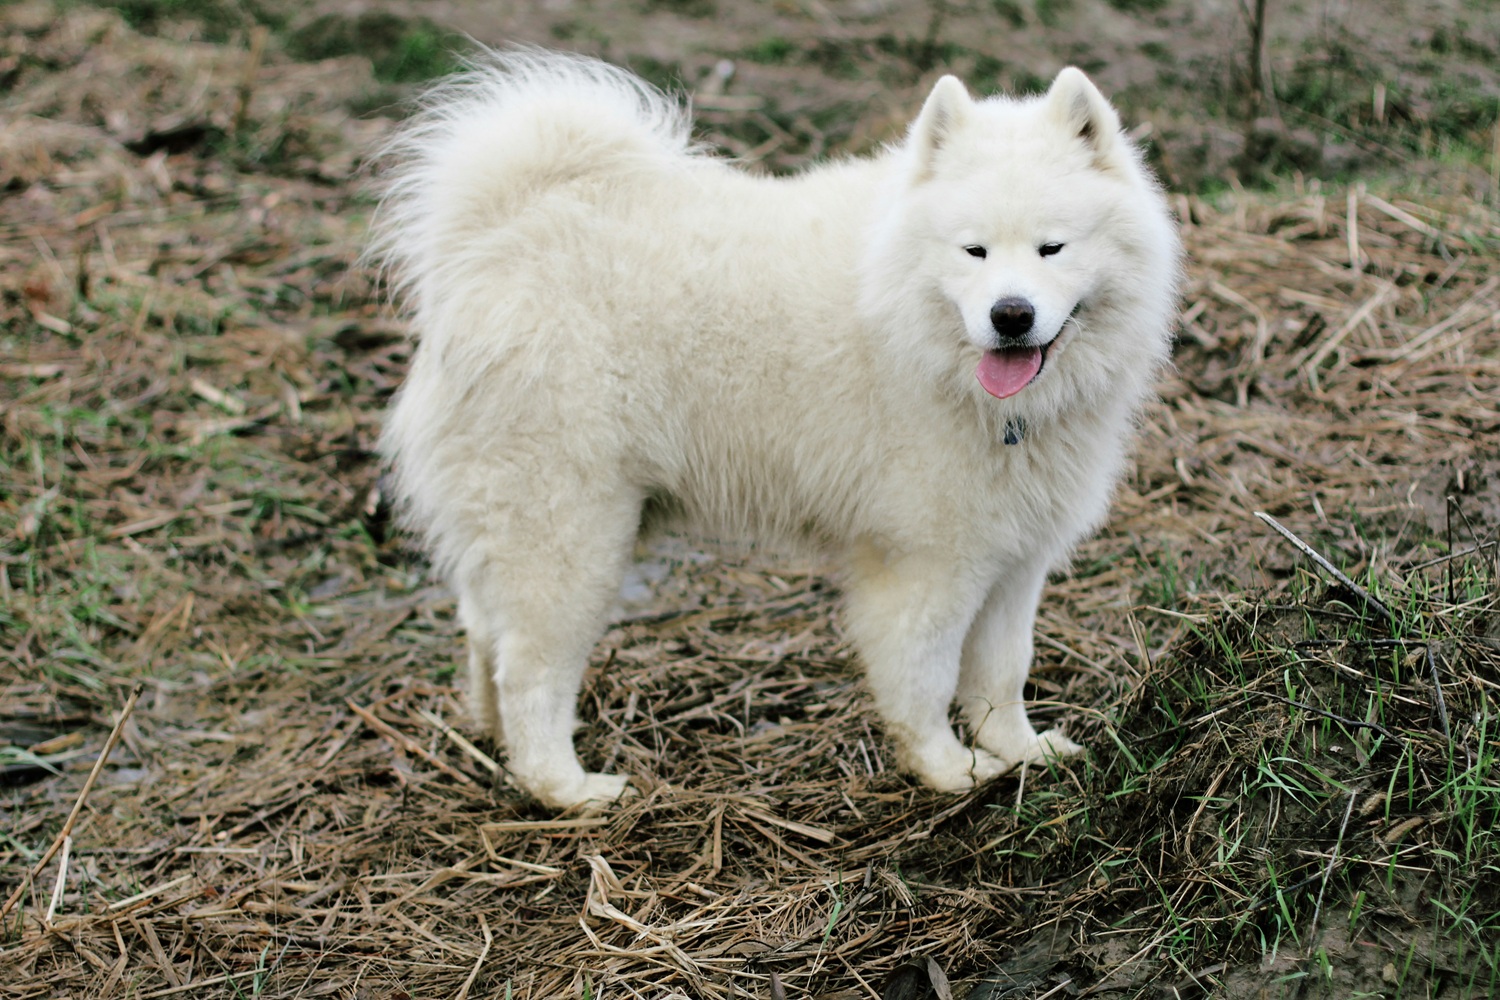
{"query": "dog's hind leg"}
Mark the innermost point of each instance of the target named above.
(535, 600)
(484, 665)
(997, 657)
(908, 615)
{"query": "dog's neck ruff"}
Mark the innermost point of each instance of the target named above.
(1015, 430)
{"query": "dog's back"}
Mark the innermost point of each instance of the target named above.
(568, 259)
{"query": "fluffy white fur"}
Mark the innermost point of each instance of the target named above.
(618, 331)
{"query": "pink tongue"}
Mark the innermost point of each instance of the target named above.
(1006, 372)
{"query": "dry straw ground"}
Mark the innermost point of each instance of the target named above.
(1287, 790)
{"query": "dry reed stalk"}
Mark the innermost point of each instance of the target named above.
(64, 835)
(259, 35)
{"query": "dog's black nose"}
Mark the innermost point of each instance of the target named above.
(1012, 318)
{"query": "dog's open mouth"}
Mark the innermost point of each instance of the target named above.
(1007, 370)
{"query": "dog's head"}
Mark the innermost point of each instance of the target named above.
(1035, 226)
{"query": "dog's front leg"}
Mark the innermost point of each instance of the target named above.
(996, 659)
(908, 615)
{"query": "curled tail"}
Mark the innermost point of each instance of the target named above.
(489, 140)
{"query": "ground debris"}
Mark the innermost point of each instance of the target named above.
(194, 367)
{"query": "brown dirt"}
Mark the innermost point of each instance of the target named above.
(821, 76)
(192, 368)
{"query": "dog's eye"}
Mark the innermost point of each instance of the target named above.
(1048, 249)
(975, 250)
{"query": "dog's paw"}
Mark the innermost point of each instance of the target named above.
(958, 768)
(1054, 745)
(589, 795)
(600, 792)
(1028, 747)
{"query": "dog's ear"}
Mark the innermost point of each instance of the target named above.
(945, 111)
(1076, 105)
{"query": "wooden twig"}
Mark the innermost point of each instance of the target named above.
(1343, 719)
(140, 897)
(67, 828)
(406, 742)
(1314, 357)
(1437, 693)
(1332, 860)
(61, 883)
(1404, 217)
(1351, 226)
(228, 977)
(1322, 563)
(479, 755)
(1495, 168)
(548, 825)
(484, 953)
(246, 91)
(1263, 95)
(1460, 554)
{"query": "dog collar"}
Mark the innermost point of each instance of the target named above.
(1015, 430)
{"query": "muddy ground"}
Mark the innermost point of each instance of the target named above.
(1338, 88)
(1291, 788)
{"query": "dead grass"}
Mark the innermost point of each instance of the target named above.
(193, 371)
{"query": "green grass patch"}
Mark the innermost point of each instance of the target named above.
(1293, 771)
(402, 49)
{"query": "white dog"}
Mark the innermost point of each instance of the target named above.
(928, 364)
